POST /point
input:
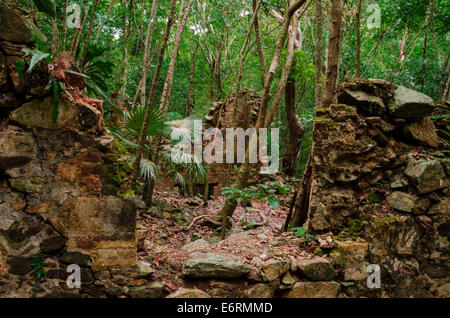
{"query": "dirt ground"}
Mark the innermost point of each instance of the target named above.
(168, 239)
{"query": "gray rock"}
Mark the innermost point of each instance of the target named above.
(316, 268)
(406, 202)
(367, 103)
(214, 266)
(20, 265)
(422, 132)
(75, 258)
(427, 176)
(16, 149)
(16, 28)
(152, 290)
(39, 113)
(274, 268)
(260, 291)
(314, 290)
(407, 103)
(145, 269)
(188, 293)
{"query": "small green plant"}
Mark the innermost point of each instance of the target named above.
(301, 232)
(373, 197)
(39, 271)
(258, 192)
(248, 225)
(38, 266)
(355, 227)
(446, 135)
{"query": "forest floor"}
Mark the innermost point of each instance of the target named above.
(171, 238)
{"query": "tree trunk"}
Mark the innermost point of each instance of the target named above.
(77, 35)
(151, 101)
(126, 31)
(447, 89)
(262, 62)
(168, 83)
(296, 130)
(231, 204)
(333, 53)
(88, 36)
(64, 30)
(191, 83)
(100, 27)
(358, 39)
(146, 60)
(302, 199)
(54, 37)
(318, 54)
(424, 46)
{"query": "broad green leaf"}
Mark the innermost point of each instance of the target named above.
(274, 203)
(36, 58)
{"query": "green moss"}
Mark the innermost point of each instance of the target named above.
(373, 197)
(323, 122)
(343, 108)
(322, 112)
(386, 220)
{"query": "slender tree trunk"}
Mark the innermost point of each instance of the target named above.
(403, 43)
(241, 60)
(333, 53)
(88, 36)
(284, 79)
(77, 35)
(296, 130)
(151, 98)
(64, 30)
(318, 54)
(191, 83)
(424, 46)
(54, 37)
(213, 81)
(126, 36)
(295, 126)
(358, 39)
(231, 204)
(146, 60)
(100, 27)
(447, 89)
(303, 197)
(262, 62)
(168, 83)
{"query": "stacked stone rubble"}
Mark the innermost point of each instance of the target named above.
(380, 171)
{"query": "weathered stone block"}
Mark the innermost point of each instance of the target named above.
(39, 114)
(407, 103)
(274, 268)
(188, 293)
(214, 266)
(314, 290)
(428, 176)
(316, 268)
(16, 149)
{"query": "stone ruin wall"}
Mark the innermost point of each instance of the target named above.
(380, 173)
(57, 192)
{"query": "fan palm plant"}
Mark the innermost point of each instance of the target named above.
(182, 168)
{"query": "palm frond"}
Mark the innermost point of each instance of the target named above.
(135, 120)
(149, 170)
